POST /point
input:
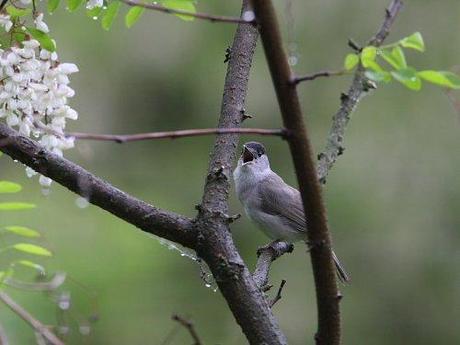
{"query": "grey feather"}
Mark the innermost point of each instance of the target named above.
(279, 199)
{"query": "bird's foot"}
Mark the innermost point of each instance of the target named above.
(278, 247)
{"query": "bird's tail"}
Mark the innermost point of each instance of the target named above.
(341, 273)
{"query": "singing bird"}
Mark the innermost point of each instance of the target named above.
(270, 202)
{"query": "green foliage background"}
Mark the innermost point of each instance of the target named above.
(393, 198)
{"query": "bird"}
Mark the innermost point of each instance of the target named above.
(271, 203)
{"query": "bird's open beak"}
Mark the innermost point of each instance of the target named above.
(247, 155)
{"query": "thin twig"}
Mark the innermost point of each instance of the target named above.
(123, 138)
(453, 101)
(190, 328)
(3, 336)
(27, 317)
(198, 15)
(278, 294)
(316, 75)
(359, 88)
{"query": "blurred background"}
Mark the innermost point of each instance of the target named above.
(393, 198)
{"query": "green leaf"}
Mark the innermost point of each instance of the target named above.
(73, 4)
(351, 60)
(110, 15)
(52, 5)
(398, 55)
(15, 206)
(414, 41)
(31, 264)
(133, 15)
(45, 41)
(408, 77)
(19, 36)
(9, 187)
(18, 12)
(184, 5)
(395, 57)
(382, 76)
(388, 57)
(368, 55)
(22, 231)
(94, 13)
(375, 66)
(443, 78)
(32, 249)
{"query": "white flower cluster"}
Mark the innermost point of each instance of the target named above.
(33, 94)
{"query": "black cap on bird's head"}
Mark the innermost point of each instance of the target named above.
(252, 150)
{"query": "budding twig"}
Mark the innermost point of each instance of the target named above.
(349, 101)
(210, 17)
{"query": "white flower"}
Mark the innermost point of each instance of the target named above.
(25, 2)
(24, 129)
(45, 181)
(6, 22)
(67, 68)
(30, 172)
(32, 44)
(71, 114)
(40, 25)
(12, 120)
(94, 3)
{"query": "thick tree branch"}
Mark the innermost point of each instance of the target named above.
(215, 244)
(98, 192)
(123, 138)
(359, 88)
(313, 76)
(27, 317)
(204, 16)
(302, 154)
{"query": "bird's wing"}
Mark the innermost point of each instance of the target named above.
(280, 199)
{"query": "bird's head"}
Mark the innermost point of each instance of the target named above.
(253, 157)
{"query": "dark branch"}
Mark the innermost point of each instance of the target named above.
(204, 16)
(278, 294)
(32, 321)
(123, 138)
(215, 245)
(302, 154)
(390, 15)
(190, 328)
(316, 75)
(359, 88)
(266, 255)
(98, 192)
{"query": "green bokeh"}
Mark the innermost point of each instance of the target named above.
(393, 199)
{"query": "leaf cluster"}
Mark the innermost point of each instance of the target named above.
(396, 66)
